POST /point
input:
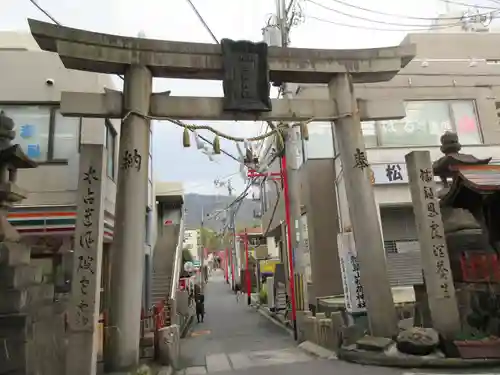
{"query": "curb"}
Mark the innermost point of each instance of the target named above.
(378, 359)
(317, 351)
(272, 319)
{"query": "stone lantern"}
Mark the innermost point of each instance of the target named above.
(12, 158)
(31, 324)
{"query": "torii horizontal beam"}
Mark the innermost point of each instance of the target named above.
(109, 105)
(105, 53)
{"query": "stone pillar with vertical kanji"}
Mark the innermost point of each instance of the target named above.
(435, 261)
(86, 277)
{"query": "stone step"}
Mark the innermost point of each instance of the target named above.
(16, 301)
(18, 277)
(14, 254)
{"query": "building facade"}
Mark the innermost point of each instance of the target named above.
(452, 84)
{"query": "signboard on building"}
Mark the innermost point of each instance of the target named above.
(351, 279)
(389, 173)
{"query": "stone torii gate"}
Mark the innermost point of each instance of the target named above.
(141, 59)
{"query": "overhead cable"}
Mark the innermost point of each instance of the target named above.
(387, 22)
(45, 12)
(467, 4)
(423, 29)
(396, 15)
(202, 20)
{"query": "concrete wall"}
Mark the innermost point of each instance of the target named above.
(23, 75)
(321, 208)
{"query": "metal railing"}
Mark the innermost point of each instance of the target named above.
(178, 258)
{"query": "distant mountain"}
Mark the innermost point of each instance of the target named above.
(197, 205)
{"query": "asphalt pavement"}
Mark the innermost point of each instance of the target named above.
(236, 339)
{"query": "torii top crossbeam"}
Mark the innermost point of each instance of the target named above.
(105, 53)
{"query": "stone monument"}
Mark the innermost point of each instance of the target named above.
(31, 325)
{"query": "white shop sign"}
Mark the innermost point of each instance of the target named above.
(389, 173)
(353, 290)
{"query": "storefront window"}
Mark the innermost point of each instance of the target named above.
(43, 133)
(464, 115)
(32, 127)
(66, 136)
(369, 130)
(424, 124)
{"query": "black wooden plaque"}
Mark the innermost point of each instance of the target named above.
(246, 76)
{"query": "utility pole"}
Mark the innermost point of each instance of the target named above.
(293, 161)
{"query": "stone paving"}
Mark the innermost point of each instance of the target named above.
(234, 336)
(236, 339)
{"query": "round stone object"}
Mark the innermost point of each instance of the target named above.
(417, 341)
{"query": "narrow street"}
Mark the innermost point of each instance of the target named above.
(237, 338)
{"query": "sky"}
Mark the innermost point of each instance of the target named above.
(340, 27)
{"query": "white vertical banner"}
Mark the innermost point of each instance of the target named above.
(306, 255)
(353, 290)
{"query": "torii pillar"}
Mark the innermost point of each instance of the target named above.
(127, 254)
(139, 59)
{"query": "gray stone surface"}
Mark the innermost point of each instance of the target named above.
(417, 341)
(14, 254)
(229, 328)
(352, 333)
(375, 344)
(19, 276)
(81, 49)
(247, 338)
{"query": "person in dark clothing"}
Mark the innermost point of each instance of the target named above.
(200, 307)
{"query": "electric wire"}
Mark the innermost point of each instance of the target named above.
(202, 20)
(387, 22)
(466, 4)
(342, 24)
(369, 19)
(47, 14)
(396, 15)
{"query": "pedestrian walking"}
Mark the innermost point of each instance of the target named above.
(200, 307)
(237, 290)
